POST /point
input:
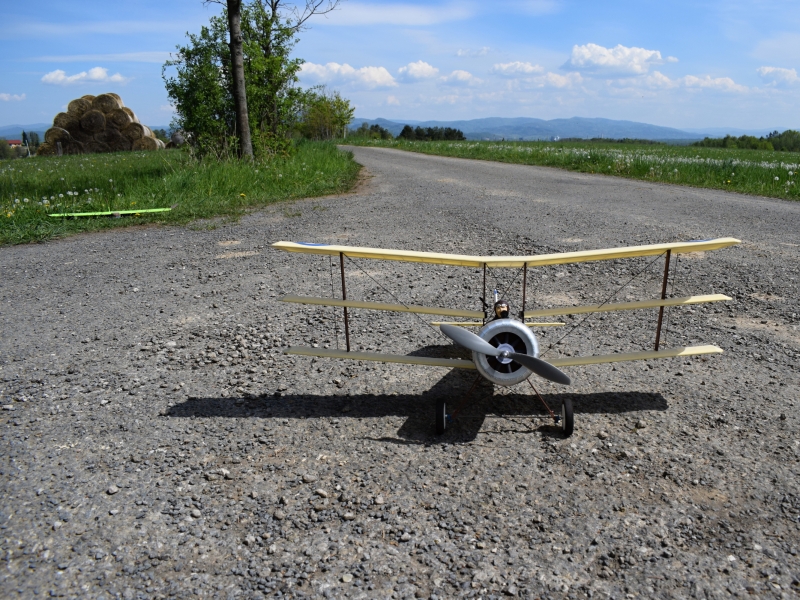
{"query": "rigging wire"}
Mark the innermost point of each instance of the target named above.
(604, 302)
(395, 297)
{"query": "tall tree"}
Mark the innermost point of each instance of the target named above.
(281, 18)
(237, 70)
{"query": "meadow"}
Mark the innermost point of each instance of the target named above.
(32, 189)
(759, 172)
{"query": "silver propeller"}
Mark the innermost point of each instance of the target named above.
(476, 343)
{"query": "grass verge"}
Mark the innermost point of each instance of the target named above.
(30, 189)
(760, 172)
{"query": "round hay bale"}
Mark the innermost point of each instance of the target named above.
(114, 139)
(113, 95)
(88, 97)
(72, 146)
(65, 120)
(78, 107)
(95, 147)
(134, 131)
(46, 149)
(146, 143)
(80, 135)
(55, 134)
(93, 121)
(161, 144)
(131, 114)
(119, 119)
(106, 103)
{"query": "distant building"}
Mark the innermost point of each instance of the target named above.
(14, 143)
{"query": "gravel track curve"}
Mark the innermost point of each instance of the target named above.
(156, 442)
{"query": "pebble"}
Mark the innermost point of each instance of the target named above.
(112, 490)
(320, 492)
(602, 435)
(196, 513)
(347, 577)
(309, 478)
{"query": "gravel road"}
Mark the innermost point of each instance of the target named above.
(157, 443)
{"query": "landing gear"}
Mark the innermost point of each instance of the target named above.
(567, 418)
(441, 416)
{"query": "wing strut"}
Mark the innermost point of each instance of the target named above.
(663, 297)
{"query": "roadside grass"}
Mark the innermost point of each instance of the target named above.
(31, 189)
(759, 172)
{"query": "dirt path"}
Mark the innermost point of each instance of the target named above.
(156, 443)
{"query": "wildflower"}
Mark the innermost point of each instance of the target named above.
(279, 175)
(52, 197)
(16, 200)
(69, 193)
(61, 195)
(243, 196)
(25, 200)
(791, 173)
(110, 181)
(777, 178)
(119, 195)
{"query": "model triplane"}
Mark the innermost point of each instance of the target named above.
(505, 350)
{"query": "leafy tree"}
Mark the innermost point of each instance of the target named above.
(407, 133)
(161, 134)
(325, 115)
(371, 132)
(249, 78)
(24, 138)
(33, 139)
(5, 149)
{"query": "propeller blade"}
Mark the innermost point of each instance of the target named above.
(469, 340)
(541, 368)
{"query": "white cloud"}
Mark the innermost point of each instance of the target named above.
(418, 70)
(9, 97)
(392, 100)
(368, 77)
(516, 68)
(724, 84)
(483, 51)
(619, 60)
(775, 76)
(358, 13)
(672, 59)
(459, 77)
(95, 75)
(555, 80)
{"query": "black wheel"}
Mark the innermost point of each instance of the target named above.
(567, 418)
(441, 417)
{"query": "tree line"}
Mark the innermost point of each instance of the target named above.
(788, 141)
(428, 134)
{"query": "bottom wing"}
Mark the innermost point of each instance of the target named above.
(455, 363)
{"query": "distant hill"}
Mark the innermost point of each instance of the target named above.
(525, 128)
(13, 132)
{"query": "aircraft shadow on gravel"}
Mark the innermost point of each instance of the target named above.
(517, 408)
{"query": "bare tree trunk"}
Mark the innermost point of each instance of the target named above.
(237, 72)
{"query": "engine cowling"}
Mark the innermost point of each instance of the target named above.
(510, 335)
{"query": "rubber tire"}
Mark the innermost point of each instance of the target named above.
(567, 418)
(441, 416)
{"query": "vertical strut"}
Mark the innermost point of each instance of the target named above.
(484, 293)
(663, 297)
(524, 288)
(344, 297)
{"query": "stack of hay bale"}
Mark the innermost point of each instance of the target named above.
(97, 124)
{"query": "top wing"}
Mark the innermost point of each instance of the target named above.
(535, 260)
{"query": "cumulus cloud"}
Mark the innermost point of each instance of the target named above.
(418, 70)
(459, 77)
(724, 84)
(516, 68)
(777, 76)
(9, 97)
(368, 77)
(554, 80)
(619, 60)
(96, 75)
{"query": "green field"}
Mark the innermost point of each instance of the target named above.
(760, 172)
(31, 189)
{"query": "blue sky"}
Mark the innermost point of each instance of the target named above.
(704, 63)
